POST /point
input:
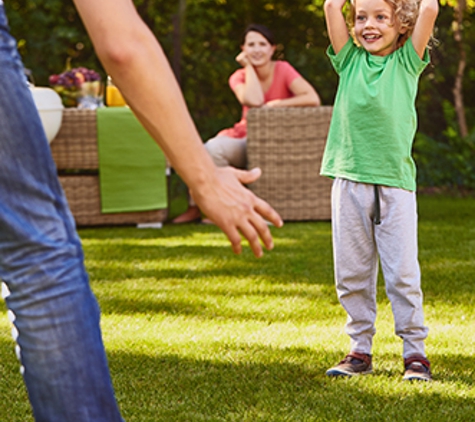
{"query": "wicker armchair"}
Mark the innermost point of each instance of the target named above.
(287, 144)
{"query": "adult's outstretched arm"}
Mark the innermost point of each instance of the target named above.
(135, 60)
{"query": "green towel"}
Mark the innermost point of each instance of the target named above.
(131, 165)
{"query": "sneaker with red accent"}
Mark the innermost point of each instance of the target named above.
(417, 368)
(354, 363)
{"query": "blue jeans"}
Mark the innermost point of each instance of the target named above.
(46, 287)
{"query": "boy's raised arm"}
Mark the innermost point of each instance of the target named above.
(336, 24)
(428, 11)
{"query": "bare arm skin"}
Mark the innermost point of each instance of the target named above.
(428, 11)
(336, 24)
(135, 60)
(250, 92)
(304, 96)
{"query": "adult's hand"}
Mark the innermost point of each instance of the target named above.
(272, 103)
(236, 210)
(128, 50)
(242, 59)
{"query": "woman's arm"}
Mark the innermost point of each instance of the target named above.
(304, 96)
(250, 92)
(133, 57)
(428, 11)
(336, 24)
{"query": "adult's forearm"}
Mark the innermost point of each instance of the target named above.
(305, 100)
(137, 64)
(133, 57)
(253, 96)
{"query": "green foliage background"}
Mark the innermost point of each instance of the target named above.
(49, 32)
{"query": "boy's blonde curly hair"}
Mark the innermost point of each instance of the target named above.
(405, 11)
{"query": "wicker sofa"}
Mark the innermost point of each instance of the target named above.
(287, 144)
(75, 153)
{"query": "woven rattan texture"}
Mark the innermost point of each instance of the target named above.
(83, 196)
(75, 146)
(74, 150)
(287, 144)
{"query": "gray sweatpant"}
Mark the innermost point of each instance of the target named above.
(357, 244)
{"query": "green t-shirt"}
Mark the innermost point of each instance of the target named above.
(374, 116)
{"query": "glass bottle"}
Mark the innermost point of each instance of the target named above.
(113, 96)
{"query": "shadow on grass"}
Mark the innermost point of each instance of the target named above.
(197, 280)
(15, 406)
(204, 277)
(207, 310)
(440, 208)
(173, 388)
(261, 384)
(302, 254)
(209, 266)
(303, 261)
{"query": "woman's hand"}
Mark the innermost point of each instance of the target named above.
(272, 103)
(242, 59)
(250, 92)
(304, 96)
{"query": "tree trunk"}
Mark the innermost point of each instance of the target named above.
(178, 21)
(458, 85)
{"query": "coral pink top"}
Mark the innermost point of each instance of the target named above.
(284, 75)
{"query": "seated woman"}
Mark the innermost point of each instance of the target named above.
(261, 82)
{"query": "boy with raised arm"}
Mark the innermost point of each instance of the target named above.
(368, 154)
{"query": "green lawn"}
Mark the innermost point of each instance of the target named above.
(195, 333)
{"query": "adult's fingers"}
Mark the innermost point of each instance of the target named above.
(247, 176)
(236, 210)
(255, 229)
(262, 207)
(267, 212)
(252, 227)
(261, 228)
(253, 235)
(234, 237)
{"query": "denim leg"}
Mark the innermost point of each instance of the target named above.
(46, 287)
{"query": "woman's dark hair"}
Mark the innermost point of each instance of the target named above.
(261, 29)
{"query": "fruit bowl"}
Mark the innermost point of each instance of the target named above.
(73, 83)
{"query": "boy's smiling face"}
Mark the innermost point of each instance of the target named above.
(376, 27)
